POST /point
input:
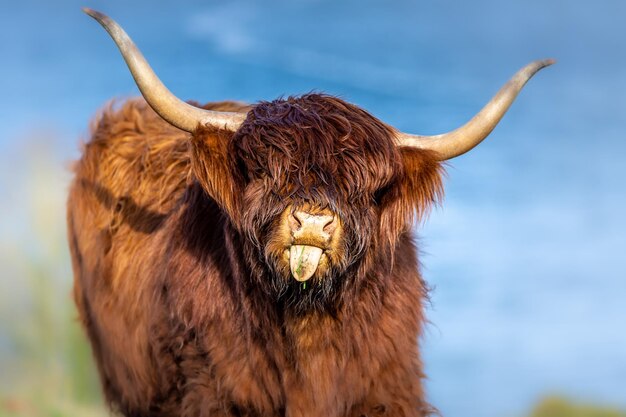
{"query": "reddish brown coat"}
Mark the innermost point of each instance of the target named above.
(172, 239)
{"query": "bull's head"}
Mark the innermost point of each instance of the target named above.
(316, 186)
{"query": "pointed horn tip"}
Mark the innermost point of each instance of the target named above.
(94, 13)
(538, 65)
(547, 62)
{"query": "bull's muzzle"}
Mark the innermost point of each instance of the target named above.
(312, 234)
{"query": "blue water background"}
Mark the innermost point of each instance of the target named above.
(527, 254)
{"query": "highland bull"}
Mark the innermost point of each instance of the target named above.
(235, 260)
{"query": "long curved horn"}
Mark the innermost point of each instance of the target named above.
(457, 142)
(173, 110)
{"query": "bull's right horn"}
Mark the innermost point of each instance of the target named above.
(457, 142)
(173, 110)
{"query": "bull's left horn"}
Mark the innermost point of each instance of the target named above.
(463, 139)
(173, 110)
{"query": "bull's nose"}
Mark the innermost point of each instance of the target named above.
(304, 224)
(312, 233)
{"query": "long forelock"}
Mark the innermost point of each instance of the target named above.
(304, 144)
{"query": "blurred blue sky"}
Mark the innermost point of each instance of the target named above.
(527, 254)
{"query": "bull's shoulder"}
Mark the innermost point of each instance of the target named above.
(134, 154)
(135, 158)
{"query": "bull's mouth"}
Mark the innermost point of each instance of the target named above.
(304, 261)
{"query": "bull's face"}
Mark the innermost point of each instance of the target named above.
(316, 186)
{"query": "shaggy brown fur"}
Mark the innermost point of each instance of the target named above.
(176, 240)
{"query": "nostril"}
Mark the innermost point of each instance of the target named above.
(330, 224)
(295, 222)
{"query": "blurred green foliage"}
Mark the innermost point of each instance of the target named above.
(560, 407)
(46, 367)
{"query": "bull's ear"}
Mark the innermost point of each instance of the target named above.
(212, 168)
(417, 188)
